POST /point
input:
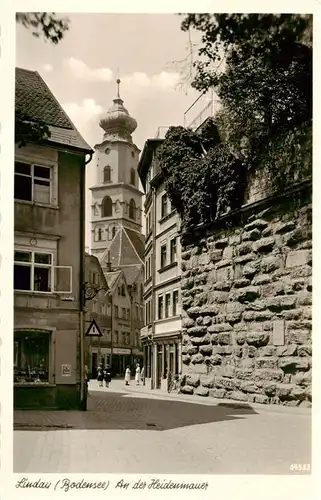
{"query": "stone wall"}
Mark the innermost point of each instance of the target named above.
(247, 296)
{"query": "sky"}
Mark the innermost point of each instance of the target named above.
(81, 71)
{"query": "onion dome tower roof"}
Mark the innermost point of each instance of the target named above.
(117, 122)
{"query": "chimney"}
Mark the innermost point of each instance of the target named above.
(108, 263)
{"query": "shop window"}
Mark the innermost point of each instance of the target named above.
(164, 209)
(107, 207)
(132, 177)
(163, 252)
(132, 209)
(167, 304)
(31, 357)
(35, 272)
(175, 303)
(173, 250)
(116, 311)
(107, 174)
(32, 183)
(160, 307)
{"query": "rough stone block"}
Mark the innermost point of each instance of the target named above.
(270, 263)
(197, 331)
(208, 380)
(286, 350)
(216, 359)
(239, 396)
(268, 350)
(192, 379)
(257, 315)
(283, 391)
(209, 310)
(220, 327)
(297, 258)
(253, 235)
(206, 350)
(222, 382)
(240, 338)
(256, 224)
(207, 320)
(187, 389)
(219, 297)
(292, 364)
(307, 313)
(264, 245)
(247, 386)
(217, 393)
(269, 388)
(282, 302)
(292, 314)
(204, 259)
(223, 286)
(244, 248)
(257, 339)
(237, 351)
(298, 336)
(222, 243)
(226, 371)
(193, 312)
(265, 374)
(201, 340)
(244, 373)
(305, 350)
(284, 227)
(248, 294)
(260, 398)
(271, 362)
(186, 359)
(187, 322)
(186, 255)
(243, 259)
(215, 255)
(202, 391)
(228, 252)
(187, 284)
(242, 282)
(304, 299)
(224, 338)
(299, 393)
(197, 358)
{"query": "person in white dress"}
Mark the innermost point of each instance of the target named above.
(127, 375)
(137, 375)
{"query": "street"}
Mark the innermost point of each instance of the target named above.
(125, 431)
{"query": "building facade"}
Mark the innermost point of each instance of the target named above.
(49, 232)
(116, 229)
(161, 334)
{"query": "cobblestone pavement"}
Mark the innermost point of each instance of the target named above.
(127, 432)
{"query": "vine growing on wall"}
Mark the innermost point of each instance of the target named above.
(203, 179)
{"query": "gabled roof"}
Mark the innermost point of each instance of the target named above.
(35, 100)
(112, 278)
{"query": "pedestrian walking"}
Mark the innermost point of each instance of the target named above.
(107, 375)
(127, 375)
(100, 375)
(142, 375)
(137, 375)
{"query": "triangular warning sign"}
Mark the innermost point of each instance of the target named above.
(93, 330)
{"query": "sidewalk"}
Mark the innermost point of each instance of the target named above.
(118, 385)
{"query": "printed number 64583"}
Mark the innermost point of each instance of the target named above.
(300, 467)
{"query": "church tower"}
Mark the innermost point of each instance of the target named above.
(116, 197)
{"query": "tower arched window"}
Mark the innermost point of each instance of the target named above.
(107, 207)
(107, 173)
(99, 234)
(132, 177)
(132, 209)
(113, 232)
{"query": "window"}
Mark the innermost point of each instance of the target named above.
(175, 303)
(163, 256)
(132, 177)
(128, 338)
(107, 207)
(31, 357)
(137, 312)
(167, 304)
(116, 336)
(122, 290)
(116, 311)
(173, 250)
(107, 173)
(164, 210)
(160, 307)
(133, 154)
(132, 209)
(124, 314)
(35, 272)
(32, 183)
(128, 314)
(113, 232)
(123, 338)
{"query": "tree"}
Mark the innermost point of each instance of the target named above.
(266, 86)
(45, 24)
(52, 29)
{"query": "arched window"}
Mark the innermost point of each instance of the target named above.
(132, 209)
(113, 232)
(107, 207)
(132, 177)
(99, 234)
(107, 173)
